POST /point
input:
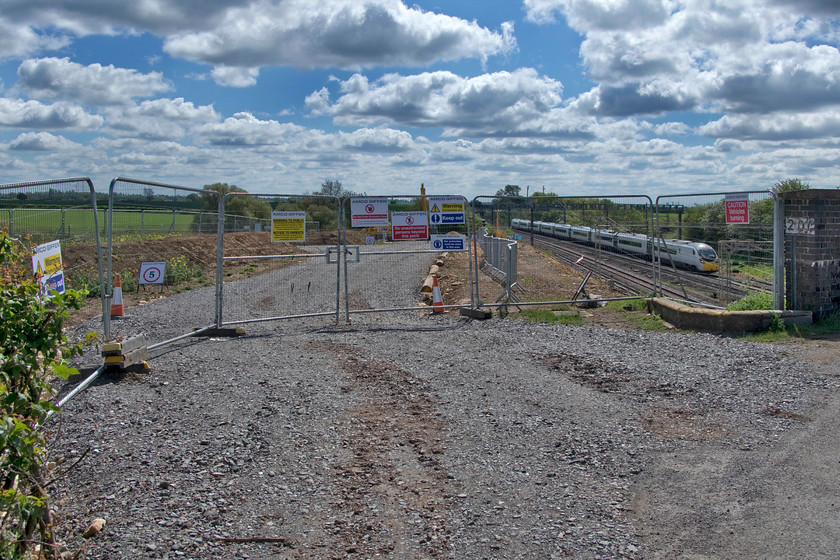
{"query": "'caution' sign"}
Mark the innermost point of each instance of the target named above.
(447, 210)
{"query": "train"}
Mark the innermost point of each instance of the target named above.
(692, 255)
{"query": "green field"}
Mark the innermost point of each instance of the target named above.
(78, 223)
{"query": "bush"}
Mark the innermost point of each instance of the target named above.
(34, 349)
(756, 301)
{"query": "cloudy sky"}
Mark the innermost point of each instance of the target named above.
(466, 96)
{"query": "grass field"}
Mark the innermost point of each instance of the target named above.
(48, 223)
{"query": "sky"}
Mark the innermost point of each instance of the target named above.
(572, 97)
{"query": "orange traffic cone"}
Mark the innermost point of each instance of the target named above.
(437, 301)
(117, 308)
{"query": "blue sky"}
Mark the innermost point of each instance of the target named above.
(577, 96)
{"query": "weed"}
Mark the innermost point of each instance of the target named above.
(547, 316)
(756, 301)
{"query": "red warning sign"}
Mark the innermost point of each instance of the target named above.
(737, 209)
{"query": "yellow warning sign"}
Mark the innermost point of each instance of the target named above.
(457, 207)
(434, 209)
(52, 264)
(288, 227)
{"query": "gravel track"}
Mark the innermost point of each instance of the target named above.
(408, 435)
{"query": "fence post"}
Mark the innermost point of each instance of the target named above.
(778, 253)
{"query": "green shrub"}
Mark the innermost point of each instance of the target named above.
(756, 301)
(34, 349)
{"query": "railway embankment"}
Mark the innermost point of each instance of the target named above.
(686, 317)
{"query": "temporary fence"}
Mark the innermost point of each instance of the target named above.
(51, 209)
(288, 270)
(402, 234)
(743, 229)
(579, 230)
(130, 199)
(499, 262)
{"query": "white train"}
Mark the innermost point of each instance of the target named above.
(689, 254)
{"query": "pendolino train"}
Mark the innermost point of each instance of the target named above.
(688, 254)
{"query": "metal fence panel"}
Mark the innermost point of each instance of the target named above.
(281, 279)
(63, 209)
(139, 212)
(738, 226)
(391, 247)
(587, 233)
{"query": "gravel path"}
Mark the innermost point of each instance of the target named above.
(420, 436)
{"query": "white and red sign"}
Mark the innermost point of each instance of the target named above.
(152, 272)
(406, 226)
(369, 212)
(737, 209)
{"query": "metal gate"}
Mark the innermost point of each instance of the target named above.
(402, 236)
(282, 264)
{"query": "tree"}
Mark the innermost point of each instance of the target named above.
(789, 185)
(332, 187)
(248, 206)
(509, 190)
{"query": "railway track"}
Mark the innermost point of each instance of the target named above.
(636, 276)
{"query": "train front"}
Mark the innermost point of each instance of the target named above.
(708, 257)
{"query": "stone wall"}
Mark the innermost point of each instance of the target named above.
(812, 255)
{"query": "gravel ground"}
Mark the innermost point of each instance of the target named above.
(408, 435)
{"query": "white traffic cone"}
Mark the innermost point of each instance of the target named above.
(117, 308)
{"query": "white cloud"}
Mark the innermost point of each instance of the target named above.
(244, 129)
(656, 56)
(17, 113)
(336, 33)
(42, 142)
(780, 126)
(19, 41)
(518, 103)
(59, 78)
(235, 76)
(159, 119)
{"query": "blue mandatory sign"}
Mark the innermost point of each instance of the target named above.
(453, 243)
(453, 218)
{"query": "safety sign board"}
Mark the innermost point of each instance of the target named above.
(449, 242)
(737, 209)
(46, 264)
(368, 212)
(152, 272)
(409, 225)
(288, 227)
(447, 210)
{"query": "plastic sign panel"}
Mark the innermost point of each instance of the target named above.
(46, 264)
(369, 212)
(445, 210)
(449, 242)
(288, 227)
(406, 226)
(737, 209)
(152, 272)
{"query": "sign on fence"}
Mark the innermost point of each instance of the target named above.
(737, 209)
(449, 242)
(288, 227)
(409, 225)
(446, 210)
(46, 264)
(369, 212)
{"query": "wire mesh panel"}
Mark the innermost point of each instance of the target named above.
(392, 243)
(64, 210)
(606, 236)
(275, 265)
(727, 237)
(175, 226)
